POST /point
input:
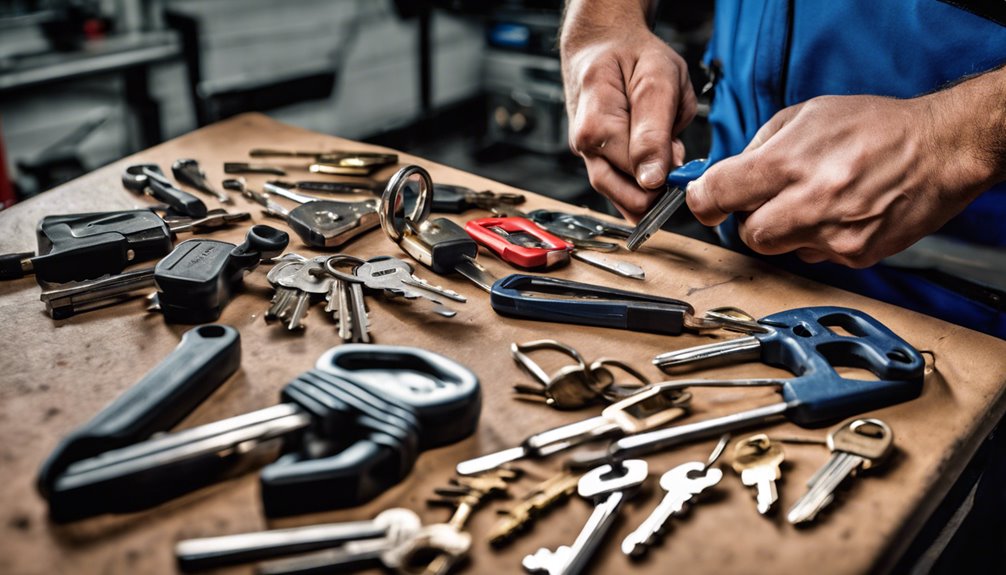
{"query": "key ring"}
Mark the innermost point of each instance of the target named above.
(394, 191)
(331, 262)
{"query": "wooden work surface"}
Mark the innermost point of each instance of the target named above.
(58, 374)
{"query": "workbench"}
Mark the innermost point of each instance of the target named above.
(57, 374)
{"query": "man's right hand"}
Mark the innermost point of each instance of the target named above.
(628, 96)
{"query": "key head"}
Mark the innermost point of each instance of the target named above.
(758, 451)
(811, 342)
(690, 478)
(309, 277)
(440, 244)
(328, 224)
(76, 247)
(384, 273)
(446, 395)
(871, 439)
(547, 561)
(438, 538)
(603, 480)
(520, 242)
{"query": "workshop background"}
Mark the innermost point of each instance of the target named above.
(471, 84)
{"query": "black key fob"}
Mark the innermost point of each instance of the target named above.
(76, 247)
(197, 279)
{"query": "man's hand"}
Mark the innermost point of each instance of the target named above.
(628, 96)
(853, 179)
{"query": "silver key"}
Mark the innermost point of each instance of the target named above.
(395, 277)
(859, 444)
(393, 552)
(310, 277)
(358, 312)
(393, 524)
(656, 217)
(757, 460)
(285, 299)
(682, 484)
(609, 488)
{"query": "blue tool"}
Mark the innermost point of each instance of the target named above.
(344, 434)
(668, 203)
(553, 299)
(810, 343)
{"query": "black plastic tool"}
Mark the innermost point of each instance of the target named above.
(343, 439)
(205, 358)
(149, 179)
(197, 279)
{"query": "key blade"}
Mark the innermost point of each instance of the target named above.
(741, 348)
(478, 274)
(622, 268)
(490, 461)
(656, 217)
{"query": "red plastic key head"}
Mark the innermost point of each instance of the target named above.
(520, 242)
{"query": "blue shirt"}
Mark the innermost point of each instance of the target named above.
(775, 53)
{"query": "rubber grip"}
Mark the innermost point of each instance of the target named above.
(204, 359)
(10, 265)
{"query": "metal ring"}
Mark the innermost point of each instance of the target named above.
(341, 258)
(392, 192)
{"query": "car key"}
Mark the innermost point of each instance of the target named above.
(206, 356)
(75, 247)
(149, 179)
(452, 199)
(608, 487)
(194, 281)
(212, 552)
(197, 279)
(682, 485)
(856, 445)
(520, 242)
(524, 244)
(668, 203)
(439, 244)
(188, 172)
(344, 439)
(757, 460)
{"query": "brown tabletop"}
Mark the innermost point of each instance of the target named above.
(58, 374)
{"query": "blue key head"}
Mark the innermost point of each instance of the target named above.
(682, 175)
(811, 342)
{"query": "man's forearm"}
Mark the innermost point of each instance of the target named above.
(970, 123)
(581, 17)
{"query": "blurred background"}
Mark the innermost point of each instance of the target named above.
(474, 84)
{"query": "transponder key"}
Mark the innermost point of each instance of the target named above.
(439, 244)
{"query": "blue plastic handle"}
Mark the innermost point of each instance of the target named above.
(545, 298)
(682, 175)
(811, 342)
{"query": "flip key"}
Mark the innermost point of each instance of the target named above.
(342, 440)
(809, 343)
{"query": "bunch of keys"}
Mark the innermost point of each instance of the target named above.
(573, 386)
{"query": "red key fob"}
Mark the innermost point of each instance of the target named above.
(520, 242)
